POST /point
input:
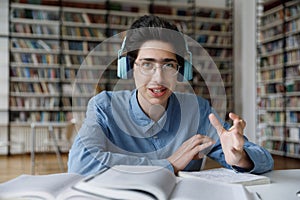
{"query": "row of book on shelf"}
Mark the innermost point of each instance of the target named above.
(156, 7)
(35, 58)
(290, 133)
(26, 72)
(291, 27)
(34, 44)
(283, 148)
(291, 77)
(52, 45)
(214, 39)
(84, 17)
(36, 29)
(279, 87)
(292, 10)
(91, 17)
(48, 74)
(75, 32)
(35, 87)
(273, 32)
(34, 102)
(213, 26)
(273, 17)
(272, 60)
(37, 103)
(280, 116)
(38, 116)
(279, 102)
(271, 74)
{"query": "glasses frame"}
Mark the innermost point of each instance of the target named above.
(156, 64)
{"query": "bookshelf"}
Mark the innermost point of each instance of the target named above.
(180, 13)
(84, 27)
(59, 52)
(123, 13)
(4, 77)
(214, 32)
(278, 75)
(34, 64)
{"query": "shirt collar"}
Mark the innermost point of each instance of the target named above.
(139, 117)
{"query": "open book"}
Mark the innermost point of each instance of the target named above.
(43, 187)
(121, 182)
(228, 176)
(157, 183)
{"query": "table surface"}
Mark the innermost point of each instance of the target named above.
(284, 185)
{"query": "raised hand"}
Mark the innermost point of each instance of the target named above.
(232, 141)
(189, 150)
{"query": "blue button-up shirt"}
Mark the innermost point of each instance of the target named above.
(117, 131)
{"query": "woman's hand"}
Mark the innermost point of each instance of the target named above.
(189, 150)
(232, 141)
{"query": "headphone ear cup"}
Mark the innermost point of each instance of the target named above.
(188, 71)
(122, 67)
(123, 63)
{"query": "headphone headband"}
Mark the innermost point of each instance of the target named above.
(124, 64)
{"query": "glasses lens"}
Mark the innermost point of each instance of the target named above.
(170, 68)
(149, 67)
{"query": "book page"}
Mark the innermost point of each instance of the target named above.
(192, 188)
(227, 176)
(132, 182)
(285, 184)
(38, 186)
(70, 194)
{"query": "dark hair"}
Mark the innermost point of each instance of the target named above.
(150, 27)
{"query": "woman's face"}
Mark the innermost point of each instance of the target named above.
(156, 88)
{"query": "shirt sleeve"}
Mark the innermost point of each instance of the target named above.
(261, 158)
(90, 154)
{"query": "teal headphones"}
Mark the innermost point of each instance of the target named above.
(124, 68)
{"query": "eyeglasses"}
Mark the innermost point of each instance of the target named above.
(148, 68)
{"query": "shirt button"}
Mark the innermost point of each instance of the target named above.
(155, 137)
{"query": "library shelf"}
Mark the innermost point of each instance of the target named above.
(278, 82)
(55, 57)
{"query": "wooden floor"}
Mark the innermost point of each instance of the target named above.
(15, 165)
